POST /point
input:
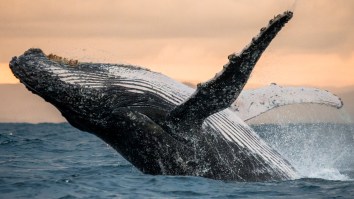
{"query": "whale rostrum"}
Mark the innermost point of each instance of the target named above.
(162, 126)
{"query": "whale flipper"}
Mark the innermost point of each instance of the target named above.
(221, 91)
(252, 103)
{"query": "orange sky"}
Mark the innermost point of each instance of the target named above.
(187, 40)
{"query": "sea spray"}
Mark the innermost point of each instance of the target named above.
(319, 150)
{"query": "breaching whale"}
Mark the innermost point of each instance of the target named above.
(164, 127)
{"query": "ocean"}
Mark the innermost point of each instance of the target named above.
(58, 161)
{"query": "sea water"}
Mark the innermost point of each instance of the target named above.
(59, 161)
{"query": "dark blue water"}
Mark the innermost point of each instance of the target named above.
(58, 161)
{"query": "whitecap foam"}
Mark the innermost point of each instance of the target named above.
(328, 174)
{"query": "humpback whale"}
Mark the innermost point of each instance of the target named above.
(162, 126)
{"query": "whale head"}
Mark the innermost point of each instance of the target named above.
(69, 85)
(121, 104)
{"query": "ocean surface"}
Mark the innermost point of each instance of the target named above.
(58, 161)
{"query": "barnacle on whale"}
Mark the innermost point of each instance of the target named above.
(63, 60)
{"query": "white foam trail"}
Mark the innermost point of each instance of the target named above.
(327, 174)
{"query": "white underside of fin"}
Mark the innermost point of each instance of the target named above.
(252, 103)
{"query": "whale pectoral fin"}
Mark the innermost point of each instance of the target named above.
(221, 91)
(252, 103)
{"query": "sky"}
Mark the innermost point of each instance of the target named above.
(187, 40)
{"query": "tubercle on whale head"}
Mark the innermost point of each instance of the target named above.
(33, 51)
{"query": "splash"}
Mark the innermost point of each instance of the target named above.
(328, 174)
(320, 150)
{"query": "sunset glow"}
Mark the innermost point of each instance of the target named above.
(6, 76)
(187, 40)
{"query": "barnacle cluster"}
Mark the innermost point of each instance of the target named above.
(70, 62)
